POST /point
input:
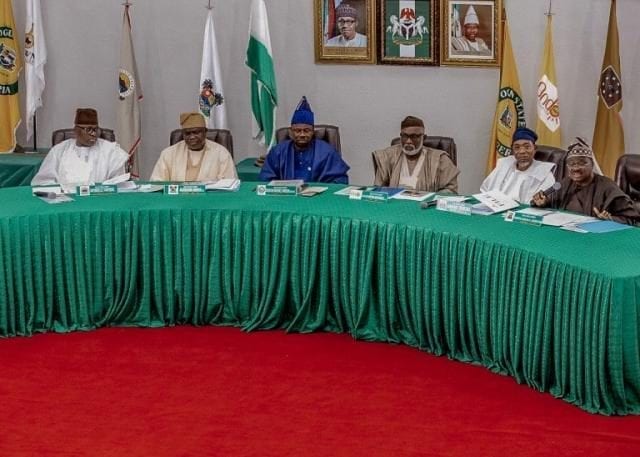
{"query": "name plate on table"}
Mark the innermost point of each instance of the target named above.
(454, 206)
(369, 195)
(269, 189)
(177, 189)
(96, 189)
(524, 217)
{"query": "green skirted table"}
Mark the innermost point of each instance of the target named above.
(247, 171)
(556, 310)
(18, 169)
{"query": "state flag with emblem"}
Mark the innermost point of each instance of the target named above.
(510, 108)
(10, 67)
(547, 99)
(211, 101)
(129, 96)
(407, 33)
(608, 134)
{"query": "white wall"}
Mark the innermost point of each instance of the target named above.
(367, 102)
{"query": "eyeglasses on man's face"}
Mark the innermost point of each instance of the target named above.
(346, 21)
(89, 129)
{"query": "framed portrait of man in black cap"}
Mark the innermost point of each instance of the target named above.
(345, 31)
(471, 32)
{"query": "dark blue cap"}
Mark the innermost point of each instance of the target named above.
(523, 133)
(303, 113)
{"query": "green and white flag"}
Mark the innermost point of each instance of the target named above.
(408, 33)
(264, 96)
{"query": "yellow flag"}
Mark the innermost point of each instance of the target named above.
(10, 67)
(548, 107)
(510, 109)
(608, 135)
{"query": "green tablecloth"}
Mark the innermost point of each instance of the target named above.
(556, 310)
(247, 171)
(18, 169)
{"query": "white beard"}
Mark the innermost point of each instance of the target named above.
(410, 150)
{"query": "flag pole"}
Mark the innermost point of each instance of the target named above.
(549, 13)
(209, 7)
(35, 134)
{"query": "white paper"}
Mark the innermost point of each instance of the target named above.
(535, 211)
(150, 188)
(496, 201)
(311, 191)
(224, 184)
(415, 195)
(118, 179)
(347, 190)
(559, 218)
(452, 198)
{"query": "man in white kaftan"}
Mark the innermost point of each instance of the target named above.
(470, 43)
(83, 160)
(519, 176)
(195, 158)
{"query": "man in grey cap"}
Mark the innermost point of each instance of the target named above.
(584, 191)
(194, 158)
(85, 159)
(347, 19)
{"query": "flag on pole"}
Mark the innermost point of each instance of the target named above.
(264, 96)
(547, 102)
(10, 66)
(510, 108)
(35, 56)
(129, 96)
(608, 134)
(211, 100)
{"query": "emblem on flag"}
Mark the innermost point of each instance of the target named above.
(409, 29)
(610, 87)
(126, 83)
(7, 58)
(209, 98)
(29, 56)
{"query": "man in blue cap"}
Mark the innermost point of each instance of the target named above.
(303, 156)
(519, 175)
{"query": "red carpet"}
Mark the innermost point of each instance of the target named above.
(220, 392)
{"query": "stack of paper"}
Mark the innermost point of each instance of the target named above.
(228, 184)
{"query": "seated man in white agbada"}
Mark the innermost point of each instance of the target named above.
(195, 158)
(519, 176)
(85, 159)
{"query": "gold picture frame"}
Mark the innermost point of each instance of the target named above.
(471, 33)
(345, 31)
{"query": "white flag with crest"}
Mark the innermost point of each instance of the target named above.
(211, 100)
(35, 56)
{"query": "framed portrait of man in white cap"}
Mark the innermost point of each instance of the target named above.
(471, 32)
(345, 31)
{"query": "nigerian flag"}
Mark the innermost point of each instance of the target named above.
(264, 96)
(407, 33)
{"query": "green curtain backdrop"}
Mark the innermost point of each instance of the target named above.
(556, 310)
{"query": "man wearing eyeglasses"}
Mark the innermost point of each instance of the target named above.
(347, 20)
(412, 165)
(519, 175)
(85, 159)
(195, 158)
